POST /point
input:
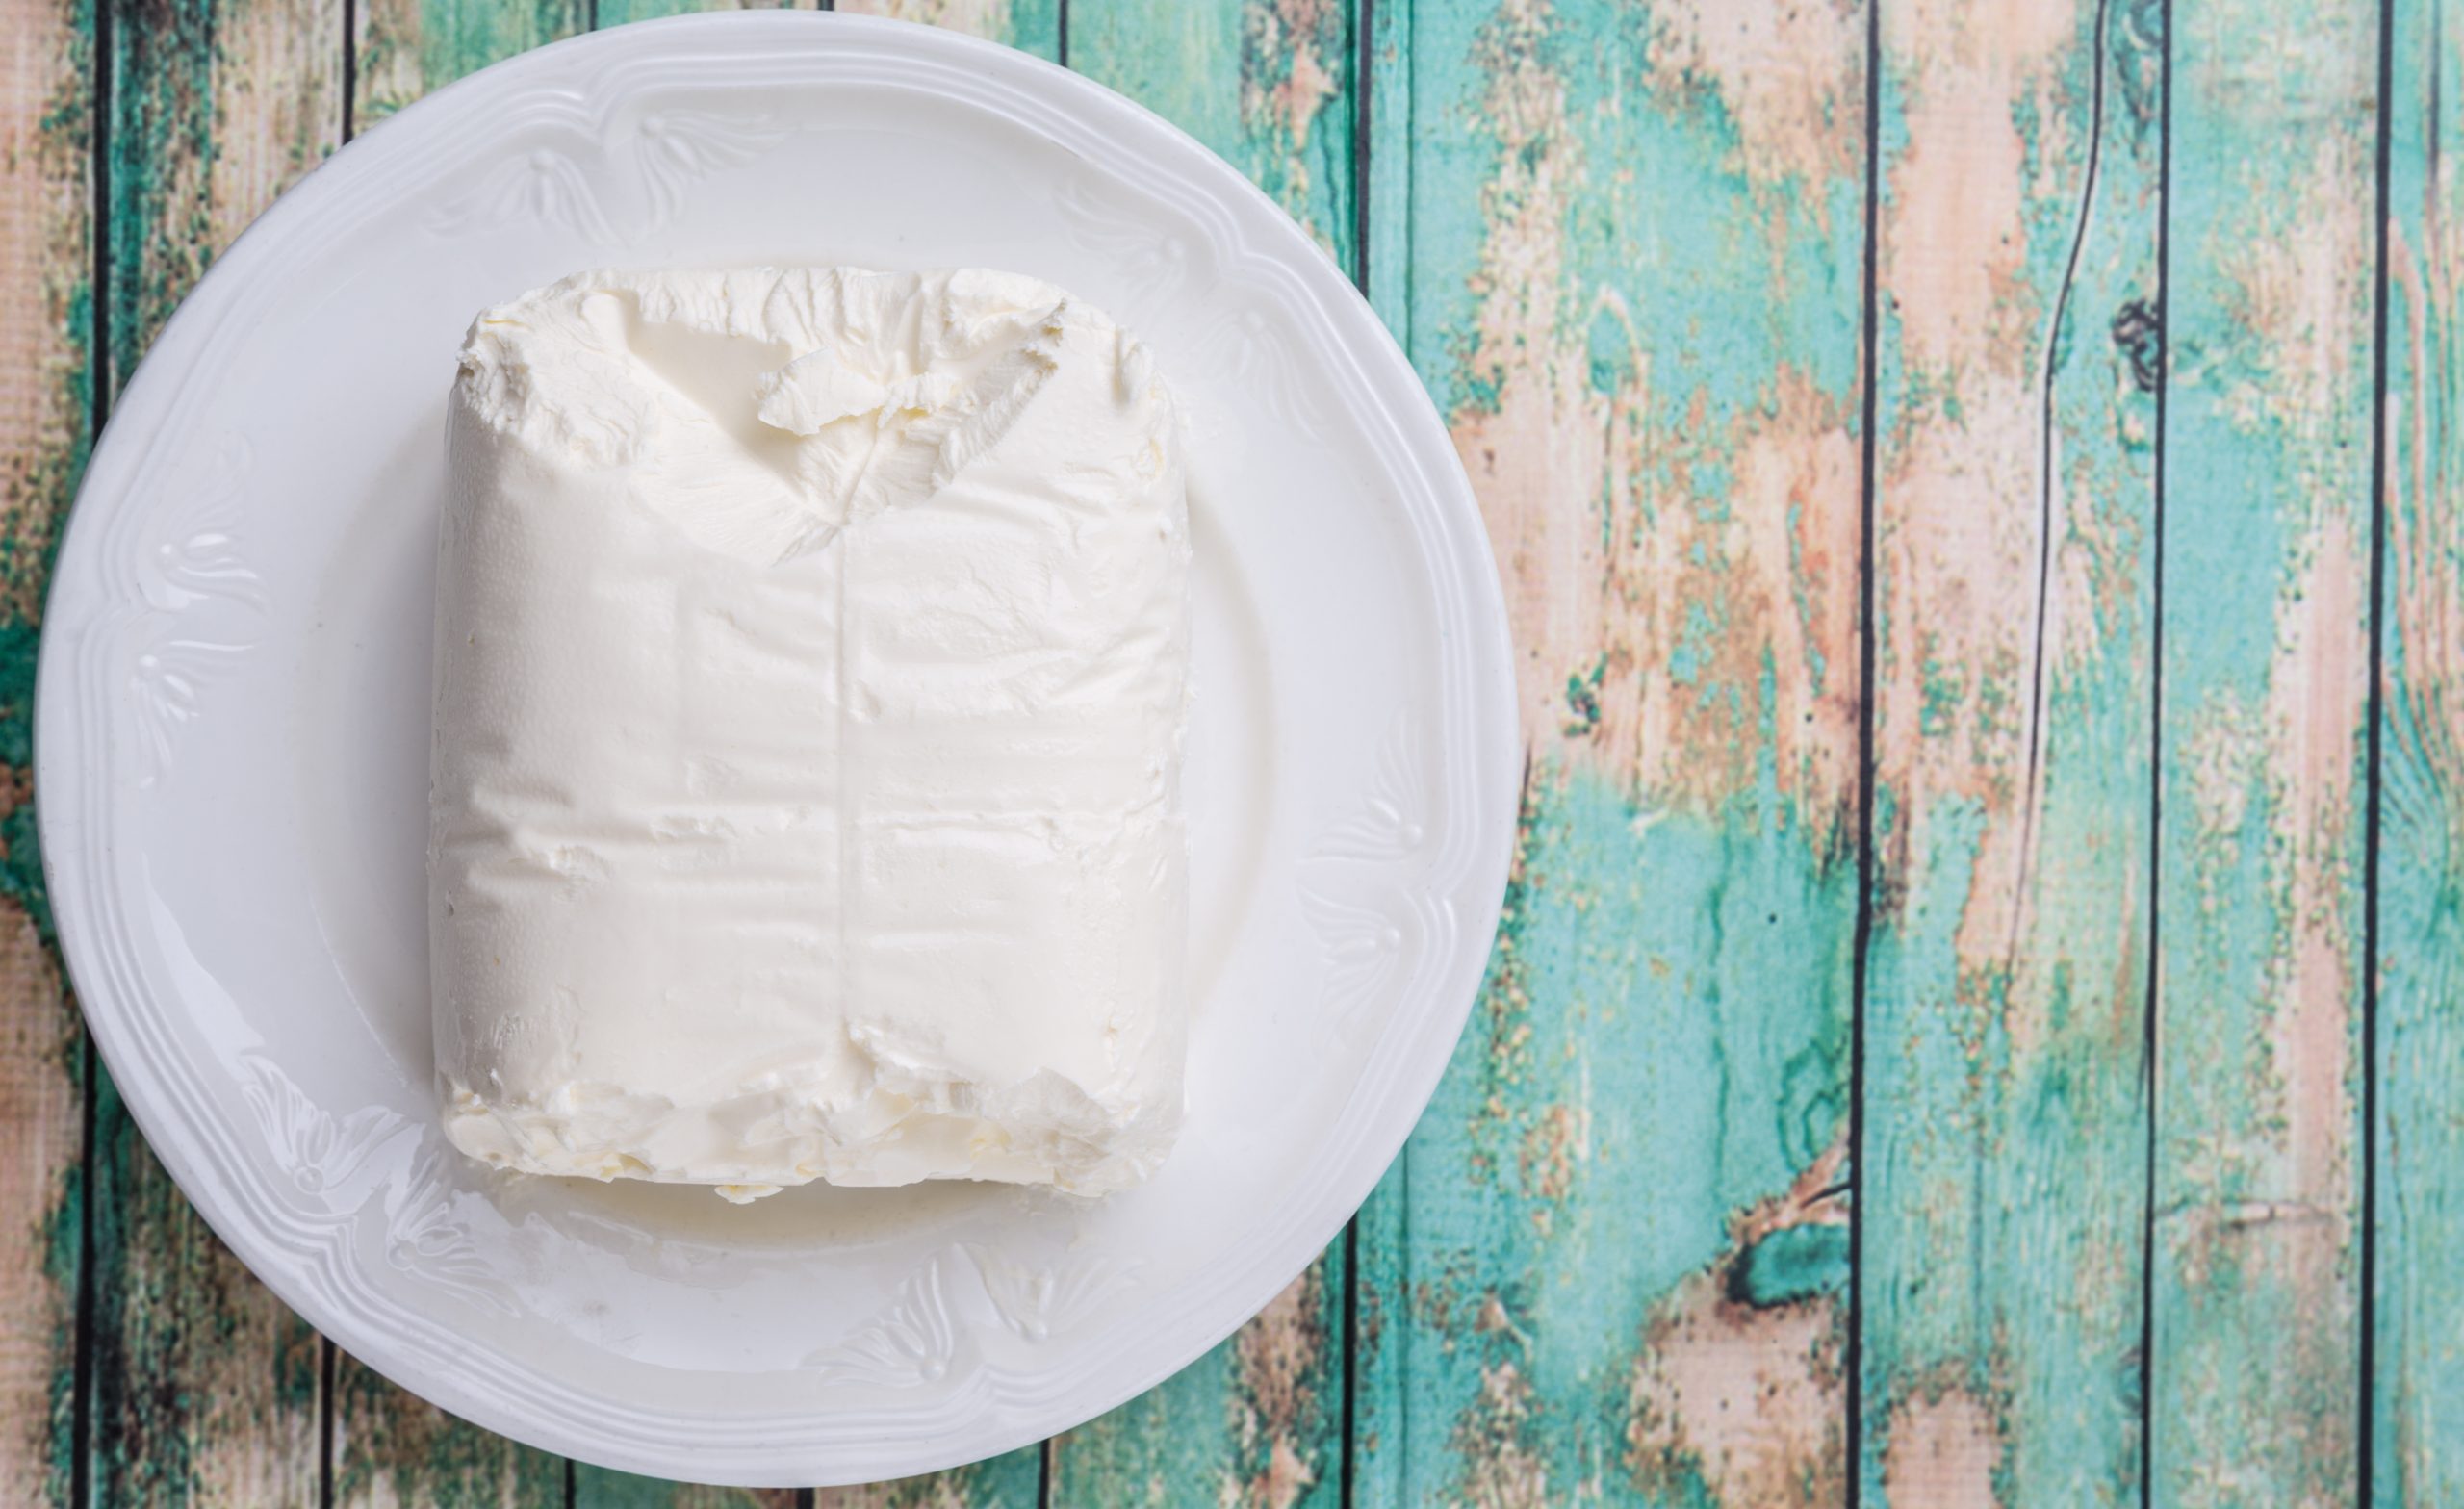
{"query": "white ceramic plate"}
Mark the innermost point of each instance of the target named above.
(232, 742)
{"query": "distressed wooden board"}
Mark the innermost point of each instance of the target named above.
(616, 13)
(1028, 25)
(1259, 1421)
(2254, 1346)
(2419, 1415)
(2006, 1120)
(403, 48)
(1014, 1481)
(595, 1488)
(1624, 246)
(393, 1451)
(203, 1387)
(1267, 83)
(200, 1384)
(1256, 1423)
(47, 403)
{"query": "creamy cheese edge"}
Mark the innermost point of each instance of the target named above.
(811, 677)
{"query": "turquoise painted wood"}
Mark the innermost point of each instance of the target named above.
(2266, 343)
(2419, 1419)
(1028, 25)
(1623, 245)
(48, 404)
(403, 48)
(2003, 1194)
(2127, 761)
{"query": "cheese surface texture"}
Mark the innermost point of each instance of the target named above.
(811, 678)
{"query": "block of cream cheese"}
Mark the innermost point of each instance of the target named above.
(811, 672)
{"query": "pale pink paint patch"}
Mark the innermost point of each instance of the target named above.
(1646, 618)
(1277, 1361)
(1744, 1396)
(1939, 1452)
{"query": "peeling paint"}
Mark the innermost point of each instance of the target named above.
(2002, 1180)
(2255, 1295)
(2419, 1391)
(1943, 1449)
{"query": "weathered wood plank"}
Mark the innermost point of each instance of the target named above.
(2003, 1196)
(216, 109)
(616, 13)
(46, 402)
(2254, 1342)
(597, 1488)
(394, 1451)
(203, 1386)
(1268, 84)
(1256, 1423)
(405, 48)
(1028, 25)
(1624, 246)
(2419, 1413)
(1014, 1481)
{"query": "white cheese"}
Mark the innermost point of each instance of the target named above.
(811, 674)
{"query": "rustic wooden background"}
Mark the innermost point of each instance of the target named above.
(1980, 1010)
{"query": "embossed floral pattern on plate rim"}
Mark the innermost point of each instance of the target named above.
(156, 589)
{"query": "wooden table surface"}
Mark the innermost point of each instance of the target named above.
(1979, 1016)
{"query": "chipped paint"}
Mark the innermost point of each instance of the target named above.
(2256, 1287)
(1256, 1423)
(2419, 1393)
(597, 1488)
(1268, 84)
(47, 257)
(2003, 1185)
(1029, 25)
(1279, 1379)
(1667, 466)
(1660, 410)
(1706, 1414)
(405, 48)
(392, 1451)
(1946, 1448)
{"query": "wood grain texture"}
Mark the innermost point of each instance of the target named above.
(1267, 83)
(616, 13)
(203, 1388)
(1028, 25)
(1013, 1481)
(394, 1451)
(405, 48)
(2419, 1417)
(46, 403)
(2003, 1196)
(2268, 325)
(1623, 245)
(1257, 1421)
(597, 1488)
